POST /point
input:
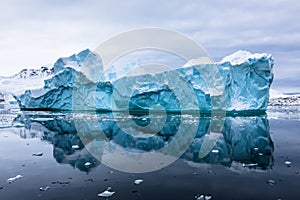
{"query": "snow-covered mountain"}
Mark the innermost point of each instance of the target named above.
(31, 79)
(277, 98)
(43, 72)
(24, 80)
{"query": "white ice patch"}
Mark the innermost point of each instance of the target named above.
(241, 57)
(75, 147)
(106, 193)
(138, 181)
(87, 164)
(10, 180)
(44, 188)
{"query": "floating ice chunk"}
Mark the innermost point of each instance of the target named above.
(87, 164)
(10, 180)
(43, 119)
(138, 181)
(250, 164)
(203, 197)
(75, 147)
(106, 193)
(288, 163)
(38, 154)
(271, 182)
(215, 151)
(207, 197)
(44, 188)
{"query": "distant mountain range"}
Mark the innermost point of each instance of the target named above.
(43, 72)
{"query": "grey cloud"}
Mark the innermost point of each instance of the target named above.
(40, 31)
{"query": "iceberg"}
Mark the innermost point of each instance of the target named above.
(241, 84)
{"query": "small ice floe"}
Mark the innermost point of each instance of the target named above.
(288, 163)
(10, 180)
(215, 151)
(107, 193)
(44, 188)
(87, 164)
(138, 181)
(43, 119)
(38, 154)
(271, 182)
(249, 164)
(75, 147)
(203, 197)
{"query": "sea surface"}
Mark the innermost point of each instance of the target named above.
(64, 155)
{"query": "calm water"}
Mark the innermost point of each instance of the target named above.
(84, 154)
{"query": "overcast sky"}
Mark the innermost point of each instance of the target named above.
(35, 33)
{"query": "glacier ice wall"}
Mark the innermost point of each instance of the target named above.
(246, 79)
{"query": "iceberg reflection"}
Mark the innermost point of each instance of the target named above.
(97, 138)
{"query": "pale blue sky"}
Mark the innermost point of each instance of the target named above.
(37, 32)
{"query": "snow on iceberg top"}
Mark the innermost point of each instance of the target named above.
(236, 59)
(240, 57)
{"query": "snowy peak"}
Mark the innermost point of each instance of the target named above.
(34, 73)
(242, 57)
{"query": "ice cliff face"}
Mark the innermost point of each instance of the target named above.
(245, 78)
(78, 61)
(248, 80)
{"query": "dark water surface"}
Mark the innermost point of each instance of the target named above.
(246, 160)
